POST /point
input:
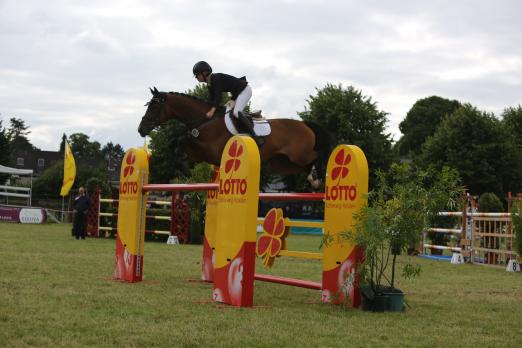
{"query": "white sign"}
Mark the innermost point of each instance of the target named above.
(32, 216)
(173, 240)
(513, 266)
(457, 258)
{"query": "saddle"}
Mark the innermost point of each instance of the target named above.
(256, 115)
(257, 121)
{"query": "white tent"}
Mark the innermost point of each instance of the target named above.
(14, 171)
(14, 191)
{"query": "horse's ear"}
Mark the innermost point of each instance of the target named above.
(151, 91)
(156, 90)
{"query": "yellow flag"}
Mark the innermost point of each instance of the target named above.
(69, 171)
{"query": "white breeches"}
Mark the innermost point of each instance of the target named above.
(241, 101)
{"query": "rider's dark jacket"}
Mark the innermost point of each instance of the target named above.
(220, 83)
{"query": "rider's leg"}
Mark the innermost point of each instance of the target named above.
(241, 102)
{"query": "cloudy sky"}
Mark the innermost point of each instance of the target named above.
(85, 66)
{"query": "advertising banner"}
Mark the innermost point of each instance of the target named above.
(22, 215)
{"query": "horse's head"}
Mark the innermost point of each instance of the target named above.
(155, 114)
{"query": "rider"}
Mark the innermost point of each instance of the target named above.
(218, 83)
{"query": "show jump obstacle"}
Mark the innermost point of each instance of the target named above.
(231, 220)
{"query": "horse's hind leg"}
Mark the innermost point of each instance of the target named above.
(282, 165)
(313, 178)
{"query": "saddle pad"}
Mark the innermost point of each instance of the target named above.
(261, 127)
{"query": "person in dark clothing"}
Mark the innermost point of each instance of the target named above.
(239, 89)
(80, 208)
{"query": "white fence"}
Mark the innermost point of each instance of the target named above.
(484, 238)
(15, 191)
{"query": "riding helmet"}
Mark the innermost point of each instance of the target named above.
(201, 67)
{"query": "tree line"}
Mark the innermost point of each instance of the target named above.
(92, 159)
(485, 150)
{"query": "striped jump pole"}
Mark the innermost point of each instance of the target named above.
(442, 247)
(445, 230)
(148, 217)
(476, 214)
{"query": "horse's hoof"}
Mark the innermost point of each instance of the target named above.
(315, 183)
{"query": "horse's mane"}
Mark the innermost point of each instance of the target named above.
(201, 100)
(220, 109)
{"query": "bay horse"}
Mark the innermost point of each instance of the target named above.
(292, 147)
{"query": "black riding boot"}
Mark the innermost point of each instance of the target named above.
(249, 128)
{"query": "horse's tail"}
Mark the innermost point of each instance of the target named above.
(323, 146)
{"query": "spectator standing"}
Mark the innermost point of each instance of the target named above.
(80, 208)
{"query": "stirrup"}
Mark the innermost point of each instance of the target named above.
(259, 140)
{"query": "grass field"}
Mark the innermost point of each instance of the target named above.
(57, 291)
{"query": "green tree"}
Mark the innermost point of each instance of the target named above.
(421, 122)
(16, 134)
(50, 181)
(512, 120)
(477, 146)
(62, 143)
(113, 154)
(17, 129)
(85, 150)
(354, 119)
(167, 161)
(4, 146)
(489, 202)
(4, 151)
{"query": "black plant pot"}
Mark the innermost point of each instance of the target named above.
(378, 303)
(373, 302)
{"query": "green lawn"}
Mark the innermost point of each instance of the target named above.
(57, 291)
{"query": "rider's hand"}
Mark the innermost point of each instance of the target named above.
(210, 112)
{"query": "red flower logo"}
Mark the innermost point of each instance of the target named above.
(235, 151)
(271, 241)
(342, 161)
(129, 169)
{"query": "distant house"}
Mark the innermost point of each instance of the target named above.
(37, 160)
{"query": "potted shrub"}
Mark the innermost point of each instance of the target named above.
(400, 208)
